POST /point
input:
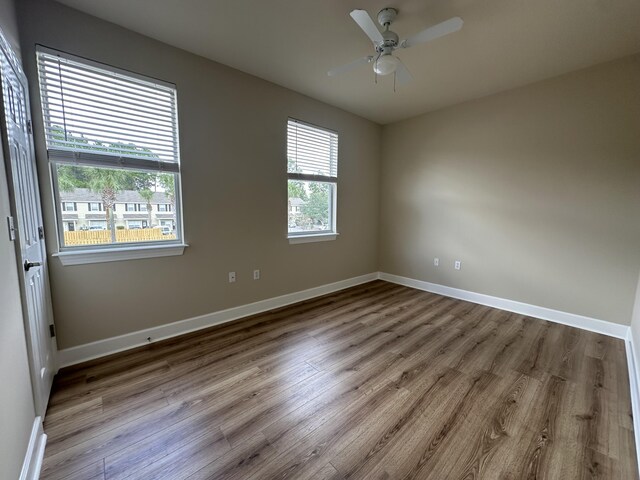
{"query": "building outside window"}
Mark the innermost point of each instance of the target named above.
(83, 217)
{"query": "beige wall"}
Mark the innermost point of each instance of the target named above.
(535, 190)
(9, 23)
(16, 399)
(232, 133)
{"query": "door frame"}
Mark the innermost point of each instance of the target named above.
(40, 398)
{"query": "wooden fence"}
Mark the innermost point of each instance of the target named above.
(97, 237)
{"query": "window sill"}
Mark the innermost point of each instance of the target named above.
(81, 257)
(319, 237)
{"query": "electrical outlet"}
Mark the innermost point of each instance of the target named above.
(436, 262)
(256, 274)
(457, 265)
(232, 277)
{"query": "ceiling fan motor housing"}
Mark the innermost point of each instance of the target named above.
(386, 16)
(389, 43)
(390, 39)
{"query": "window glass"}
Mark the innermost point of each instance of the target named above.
(96, 205)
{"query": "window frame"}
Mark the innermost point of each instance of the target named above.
(81, 254)
(315, 235)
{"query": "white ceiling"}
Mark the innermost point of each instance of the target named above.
(503, 44)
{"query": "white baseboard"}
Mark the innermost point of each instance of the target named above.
(586, 323)
(634, 387)
(101, 348)
(35, 452)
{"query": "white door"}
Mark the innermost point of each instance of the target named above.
(29, 235)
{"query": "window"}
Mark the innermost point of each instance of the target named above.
(69, 206)
(312, 170)
(136, 224)
(97, 225)
(164, 207)
(112, 137)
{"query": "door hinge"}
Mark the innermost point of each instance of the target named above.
(29, 127)
(12, 229)
(40, 233)
(52, 330)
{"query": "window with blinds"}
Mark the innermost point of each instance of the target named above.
(112, 137)
(312, 170)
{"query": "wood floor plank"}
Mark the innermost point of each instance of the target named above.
(239, 463)
(377, 381)
(488, 432)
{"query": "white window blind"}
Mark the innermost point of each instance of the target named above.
(96, 115)
(311, 151)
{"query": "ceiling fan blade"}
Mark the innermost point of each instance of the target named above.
(402, 74)
(365, 22)
(345, 68)
(448, 26)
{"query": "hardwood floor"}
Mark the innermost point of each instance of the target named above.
(375, 382)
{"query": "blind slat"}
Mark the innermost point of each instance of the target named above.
(84, 83)
(104, 115)
(80, 121)
(58, 58)
(69, 96)
(70, 157)
(116, 151)
(58, 105)
(113, 132)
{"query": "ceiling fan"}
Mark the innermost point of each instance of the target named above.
(386, 42)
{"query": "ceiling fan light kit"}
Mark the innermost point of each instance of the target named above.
(386, 64)
(387, 41)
